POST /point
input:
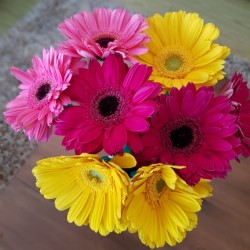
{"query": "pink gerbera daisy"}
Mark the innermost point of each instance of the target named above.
(193, 129)
(114, 106)
(104, 32)
(238, 94)
(42, 95)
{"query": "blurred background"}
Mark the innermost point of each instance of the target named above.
(27, 220)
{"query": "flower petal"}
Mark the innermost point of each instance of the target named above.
(136, 124)
(115, 139)
(124, 161)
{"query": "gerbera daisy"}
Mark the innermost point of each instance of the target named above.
(193, 128)
(114, 107)
(238, 93)
(104, 32)
(181, 50)
(42, 95)
(160, 206)
(93, 190)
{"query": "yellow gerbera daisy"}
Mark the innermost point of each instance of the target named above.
(160, 206)
(93, 190)
(181, 50)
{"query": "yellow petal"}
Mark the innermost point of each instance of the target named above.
(75, 209)
(216, 52)
(186, 202)
(177, 214)
(203, 188)
(124, 161)
(191, 29)
(64, 200)
(197, 76)
(83, 216)
(97, 211)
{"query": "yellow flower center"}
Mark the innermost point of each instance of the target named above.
(96, 175)
(160, 185)
(173, 62)
(93, 176)
(156, 188)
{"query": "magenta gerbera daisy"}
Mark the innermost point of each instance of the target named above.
(238, 94)
(103, 32)
(114, 104)
(193, 129)
(42, 95)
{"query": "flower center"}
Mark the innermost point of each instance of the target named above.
(156, 187)
(104, 41)
(181, 137)
(160, 185)
(108, 105)
(93, 174)
(173, 62)
(42, 91)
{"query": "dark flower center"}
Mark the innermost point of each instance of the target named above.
(42, 91)
(181, 137)
(104, 41)
(160, 185)
(108, 105)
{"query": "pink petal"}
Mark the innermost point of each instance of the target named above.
(137, 51)
(136, 76)
(166, 156)
(144, 109)
(151, 138)
(22, 76)
(38, 64)
(146, 91)
(172, 106)
(92, 147)
(74, 90)
(187, 102)
(218, 144)
(136, 124)
(213, 119)
(152, 154)
(70, 119)
(103, 18)
(134, 142)
(113, 70)
(199, 100)
(115, 139)
(89, 133)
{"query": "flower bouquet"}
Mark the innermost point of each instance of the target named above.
(140, 91)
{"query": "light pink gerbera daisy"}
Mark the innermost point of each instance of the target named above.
(114, 105)
(193, 129)
(238, 94)
(42, 94)
(104, 32)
